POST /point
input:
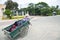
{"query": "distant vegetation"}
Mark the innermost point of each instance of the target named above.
(10, 6)
(40, 8)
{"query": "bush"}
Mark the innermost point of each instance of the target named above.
(8, 13)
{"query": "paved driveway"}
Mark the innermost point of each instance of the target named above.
(43, 28)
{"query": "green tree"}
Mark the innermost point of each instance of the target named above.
(57, 6)
(11, 5)
(24, 10)
(31, 8)
(53, 8)
(8, 13)
(41, 8)
(41, 5)
(15, 6)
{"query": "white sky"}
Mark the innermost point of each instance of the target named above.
(24, 3)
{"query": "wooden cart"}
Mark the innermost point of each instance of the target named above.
(17, 31)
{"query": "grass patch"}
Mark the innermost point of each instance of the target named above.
(13, 17)
(17, 17)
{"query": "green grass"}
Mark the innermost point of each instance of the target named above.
(13, 17)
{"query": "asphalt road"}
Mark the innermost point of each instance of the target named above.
(42, 28)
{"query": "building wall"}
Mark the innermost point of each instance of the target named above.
(2, 9)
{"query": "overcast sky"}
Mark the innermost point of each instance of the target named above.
(24, 3)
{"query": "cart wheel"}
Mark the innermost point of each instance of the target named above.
(10, 37)
(24, 31)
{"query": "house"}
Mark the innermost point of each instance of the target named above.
(2, 9)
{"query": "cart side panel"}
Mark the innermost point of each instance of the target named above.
(17, 31)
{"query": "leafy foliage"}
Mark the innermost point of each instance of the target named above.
(11, 5)
(8, 13)
(41, 8)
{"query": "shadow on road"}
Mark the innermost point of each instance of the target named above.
(23, 33)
